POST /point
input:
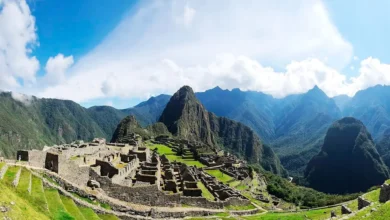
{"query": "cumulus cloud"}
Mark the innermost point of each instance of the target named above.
(56, 68)
(225, 43)
(17, 39)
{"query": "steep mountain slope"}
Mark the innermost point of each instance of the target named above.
(372, 107)
(148, 112)
(186, 117)
(348, 161)
(383, 147)
(254, 109)
(37, 122)
(341, 101)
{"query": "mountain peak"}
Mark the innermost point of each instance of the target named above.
(348, 159)
(316, 92)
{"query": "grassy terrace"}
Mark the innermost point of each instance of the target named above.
(10, 175)
(37, 194)
(88, 213)
(24, 182)
(107, 217)
(71, 207)
(171, 155)
(56, 207)
(220, 176)
(22, 209)
(205, 192)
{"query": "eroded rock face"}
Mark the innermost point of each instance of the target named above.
(348, 161)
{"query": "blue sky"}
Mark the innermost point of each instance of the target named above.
(99, 52)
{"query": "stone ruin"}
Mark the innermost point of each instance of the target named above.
(384, 194)
(345, 210)
(362, 202)
(133, 173)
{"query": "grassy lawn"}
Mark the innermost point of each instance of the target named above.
(24, 182)
(219, 175)
(37, 194)
(1, 165)
(382, 213)
(353, 205)
(171, 155)
(22, 208)
(89, 213)
(10, 175)
(205, 192)
(94, 202)
(71, 207)
(239, 208)
(372, 196)
(313, 214)
(108, 217)
(55, 205)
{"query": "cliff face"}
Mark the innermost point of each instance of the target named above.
(348, 161)
(186, 118)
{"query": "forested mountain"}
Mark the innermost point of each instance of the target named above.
(187, 118)
(348, 161)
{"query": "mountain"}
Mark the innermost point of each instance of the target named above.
(348, 161)
(31, 123)
(372, 107)
(383, 147)
(148, 112)
(341, 101)
(254, 109)
(187, 118)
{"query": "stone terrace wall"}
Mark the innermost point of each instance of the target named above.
(89, 150)
(72, 172)
(204, 203)
(148, 195)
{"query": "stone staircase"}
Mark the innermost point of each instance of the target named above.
(46, 200)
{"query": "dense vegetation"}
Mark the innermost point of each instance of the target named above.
(348, 161)
(302, 196)
(186, 118)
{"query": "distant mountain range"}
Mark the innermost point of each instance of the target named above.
(294, 126)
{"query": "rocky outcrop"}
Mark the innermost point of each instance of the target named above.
(348, 161)
(185, 117)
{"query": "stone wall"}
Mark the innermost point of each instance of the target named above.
(362, 202)
(106, 168)
(37, 158)
(73, 172)
(384, 194)
(146, 195)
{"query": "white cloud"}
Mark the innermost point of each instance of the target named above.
(25, 99)
(355, 58)
(17, 38)
(150, 52)
(56, 68)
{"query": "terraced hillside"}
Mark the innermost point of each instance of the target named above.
(23, 196)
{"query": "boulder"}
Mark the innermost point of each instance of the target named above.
(345, 210)
(384, 195)
(362, 203)
(93, 184)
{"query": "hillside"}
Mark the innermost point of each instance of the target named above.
(186, 118)
(348, 161)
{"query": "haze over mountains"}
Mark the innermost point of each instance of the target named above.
(294, 126)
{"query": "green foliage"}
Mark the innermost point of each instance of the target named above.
(220, 176)
(302, 196)
(348, 161)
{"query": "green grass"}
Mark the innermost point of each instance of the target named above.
(10, 175)
(205, 192)
(382, 213)
(220, 176)
(353, 205)
(372, 196)
(22, 209)
(37, 194)
(1, 165)
(88, 213)
(55, 205)
(236, 184)
(71, 207)
(171, 155)
(94, 202)
(312, 214)
(239, 208)
(108, 217)
(24, 182)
